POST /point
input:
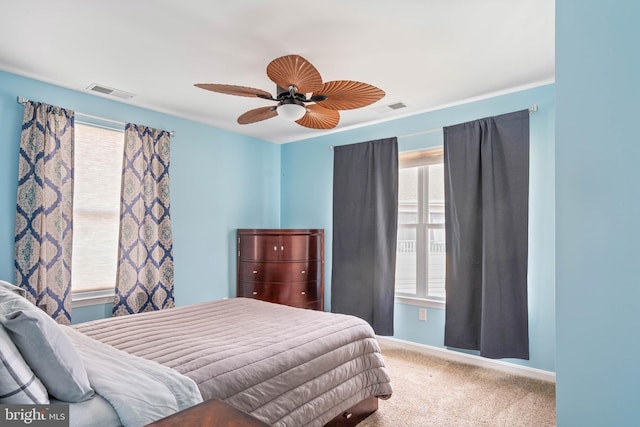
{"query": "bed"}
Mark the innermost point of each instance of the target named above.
(282, 365)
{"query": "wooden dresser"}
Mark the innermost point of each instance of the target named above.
(282, 266)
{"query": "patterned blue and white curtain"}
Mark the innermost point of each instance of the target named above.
(44, 232)
(145, 254)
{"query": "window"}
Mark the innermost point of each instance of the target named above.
(420, 258)
(96, 209)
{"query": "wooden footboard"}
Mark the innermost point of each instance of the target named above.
(212, 412)
(216, 412)
(355, 414)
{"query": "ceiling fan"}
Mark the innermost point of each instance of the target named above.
(301, 95)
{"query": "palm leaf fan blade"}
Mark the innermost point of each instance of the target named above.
(257, 115)
(348, 95)
(294, 70)
(318, 117)
(234, 90)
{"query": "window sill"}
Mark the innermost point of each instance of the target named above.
(421, 302)
(84, 299)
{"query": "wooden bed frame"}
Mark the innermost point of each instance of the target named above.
(355, 414)
(215, 412)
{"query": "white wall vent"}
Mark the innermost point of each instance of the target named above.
(390, 107)
(104, 90)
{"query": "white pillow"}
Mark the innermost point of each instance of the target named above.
(45, 347)
(13, 288)
(18, 383)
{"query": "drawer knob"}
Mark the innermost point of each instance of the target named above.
(303, 293)
(282, 248)
(303, 271)
(275, 248)
(255, 271)
(347, 415)
(255, 292)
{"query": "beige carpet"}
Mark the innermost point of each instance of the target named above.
(429, 391)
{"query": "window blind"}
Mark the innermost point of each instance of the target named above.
(96, 207)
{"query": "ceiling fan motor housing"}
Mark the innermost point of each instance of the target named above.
(289, 100)
(280, 91)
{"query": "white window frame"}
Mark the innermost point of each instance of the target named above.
(84, 299)
(422, 159)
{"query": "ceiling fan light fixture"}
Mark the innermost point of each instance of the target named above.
(292, 111)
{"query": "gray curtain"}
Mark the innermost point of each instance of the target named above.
(365, 221)
(486, 166)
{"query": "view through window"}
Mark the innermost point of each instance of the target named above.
(420, 258)
(96, 207)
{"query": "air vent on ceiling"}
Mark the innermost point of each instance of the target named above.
(397, 105)
(104, 90)
(390, 107)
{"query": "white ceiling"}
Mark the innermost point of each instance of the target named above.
(424, 53)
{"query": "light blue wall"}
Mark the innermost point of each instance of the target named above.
(220, 181)
(91, 312)
(307, 176)
(598, 212)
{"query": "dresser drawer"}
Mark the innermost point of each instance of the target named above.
(278, 272)
(311, 305)
(282, 293)
(295, 247)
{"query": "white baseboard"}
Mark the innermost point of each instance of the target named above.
(471, 359)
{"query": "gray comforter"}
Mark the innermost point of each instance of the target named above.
(285, 366)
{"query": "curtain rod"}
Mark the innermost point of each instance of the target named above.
(22, 100)
(532, 110)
